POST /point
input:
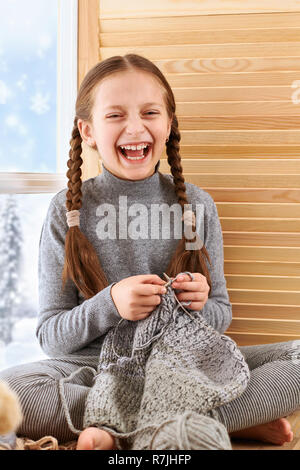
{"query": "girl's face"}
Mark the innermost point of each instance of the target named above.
(129, 109)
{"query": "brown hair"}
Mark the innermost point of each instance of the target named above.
(82, 265)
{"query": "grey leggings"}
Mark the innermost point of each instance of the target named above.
(273, 391)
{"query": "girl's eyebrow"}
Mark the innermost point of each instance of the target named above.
(121, 107)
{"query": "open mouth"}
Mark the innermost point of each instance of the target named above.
(134, 158)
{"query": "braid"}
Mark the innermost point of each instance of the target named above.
(75, 161)
(183, 260)
(81, 265)
(174, 161)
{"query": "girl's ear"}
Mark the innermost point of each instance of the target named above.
(169, 126)
(86, 133)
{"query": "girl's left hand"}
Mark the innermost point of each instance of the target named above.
(196, 290)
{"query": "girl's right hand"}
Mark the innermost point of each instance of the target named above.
(137, 296)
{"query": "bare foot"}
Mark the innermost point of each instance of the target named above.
(95, 439)
(276, 432)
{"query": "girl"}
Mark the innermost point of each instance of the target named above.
(94, 270)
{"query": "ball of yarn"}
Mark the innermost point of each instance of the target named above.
(191, 431)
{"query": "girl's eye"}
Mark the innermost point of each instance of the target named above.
(117, 115)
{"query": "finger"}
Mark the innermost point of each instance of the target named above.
(195, 306)
(148, 300)
(190, 286)
(144, 314)
(151, 279)
(194, 296)
(150, 289)
(185, 277)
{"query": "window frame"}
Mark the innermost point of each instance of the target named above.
(67, 52)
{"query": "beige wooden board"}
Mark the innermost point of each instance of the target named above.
(226, 64)
(265, 296)
(253, 166)
(196, 36)
(237, 152)
(231, 137)
(237, 93)
(243, 108)
(258, 247)
(247, 339)
(194, 51)
(237, 122)
(244, 209)
(262, 268)
(260, 325)
(255, 195)
(252, 310)
(262, 224)
(287, 283)
(197, 21)
(244, 181)
(87, 55)
(224, 79)
(136, 8)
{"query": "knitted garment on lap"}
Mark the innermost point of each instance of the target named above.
(153, 370)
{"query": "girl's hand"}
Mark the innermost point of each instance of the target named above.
(196, 290)
(137, 296)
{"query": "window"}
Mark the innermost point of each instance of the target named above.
(38, 86)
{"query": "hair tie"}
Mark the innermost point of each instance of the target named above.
(73, 218)
(189, 218)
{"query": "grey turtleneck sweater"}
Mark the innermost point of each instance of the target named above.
(127, 245)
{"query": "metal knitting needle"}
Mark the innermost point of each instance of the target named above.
(178, 301)
(168, 279)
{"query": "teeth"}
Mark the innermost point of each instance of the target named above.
(134, 147)
(134, 158)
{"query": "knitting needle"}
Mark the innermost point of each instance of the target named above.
(178, 301)
(168, 279)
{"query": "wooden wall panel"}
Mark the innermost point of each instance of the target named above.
(234, 68)
(88, 56)
(137, 9)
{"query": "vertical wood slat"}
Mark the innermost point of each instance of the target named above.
(88, 56)
(88, 26)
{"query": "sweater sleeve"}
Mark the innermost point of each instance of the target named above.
(65, 327)
(218, 310)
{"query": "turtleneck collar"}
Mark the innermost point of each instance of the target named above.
(108, 178)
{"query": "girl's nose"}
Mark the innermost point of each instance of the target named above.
(134, 125)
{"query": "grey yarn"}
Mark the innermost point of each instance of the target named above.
(190, 431)
(157, 370)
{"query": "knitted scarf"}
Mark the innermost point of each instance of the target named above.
(169, 365)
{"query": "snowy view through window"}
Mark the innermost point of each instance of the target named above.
(28, 56)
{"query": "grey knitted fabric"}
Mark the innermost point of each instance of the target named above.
(161, 367)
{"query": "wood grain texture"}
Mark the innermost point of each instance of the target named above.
(88, 56)
(136, 8)
(234, 71)
(198, 21)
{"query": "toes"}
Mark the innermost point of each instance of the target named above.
(281, 425)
